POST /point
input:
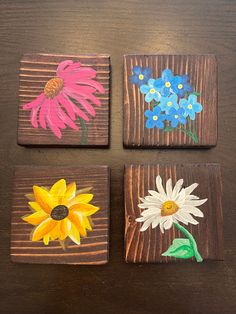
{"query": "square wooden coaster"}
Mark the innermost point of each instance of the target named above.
(65, 220)
(64, 100)
(174, 221)
(170, 101)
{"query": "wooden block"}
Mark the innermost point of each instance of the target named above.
(205, 232)
(93, 248)
(73, 109)
(178, 119)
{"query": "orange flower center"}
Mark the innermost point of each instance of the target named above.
(169, 208)
(53, 87)
(59, 212)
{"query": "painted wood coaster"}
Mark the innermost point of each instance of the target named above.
(64, 100)
(60, 215)
(173, 213)
(170, 101)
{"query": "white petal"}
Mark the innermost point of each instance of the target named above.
(192, 197)
(181, 196)
(151, 211)
(177, 188)
(155, 222)
(192, 210)
(159, 185)
(169, 188)
(144, 205)
(147, 224)
(188, 217)
(195, 202)
(162, 221)
(141, 219)
(189, 189)
(180, 218)
(168, 223)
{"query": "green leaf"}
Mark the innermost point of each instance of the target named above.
(180, 248)
(168, 129)
(195, 93)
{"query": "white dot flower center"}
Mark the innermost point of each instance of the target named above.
(152, 90)
(169, 208)
(190, 106)
(155, 118)
(167, 84)
(141, 77)
(169, 104)
(180, 86)
(176, 116)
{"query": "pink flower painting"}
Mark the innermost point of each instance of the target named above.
(68, 96)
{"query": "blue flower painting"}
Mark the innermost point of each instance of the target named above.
(172, 99)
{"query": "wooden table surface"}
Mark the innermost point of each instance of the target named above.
(117, 27)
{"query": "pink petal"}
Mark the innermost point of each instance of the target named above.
(81, 73)
(73, 67)
(63, 117)
(87, 106)
(86, 82)
(36, 102)
(81, 90)
(33, 117)
(62, 65)
(67, 105)
(53, 114)
(78, 111)
(42, 113)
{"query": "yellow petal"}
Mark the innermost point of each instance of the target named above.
(84, 190)
(35, 206)
(43, 229)
(44, 199)
(81, 198)
(58, 189)
(30, 196)
(74, 234)
(36, 218)
(85, 209)
(65, 228)
(56, 231)
(46, 239)
(77, 220)
(70, 193)
(87, 224)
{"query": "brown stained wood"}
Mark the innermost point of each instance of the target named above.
(202, 70)
(93, 249)
(35, 71)
(147, 246)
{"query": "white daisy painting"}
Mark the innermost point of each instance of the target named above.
(173, 206)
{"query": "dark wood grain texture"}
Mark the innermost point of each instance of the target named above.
(202, 71)
(94, 249)
(35, 71)
(147, 247)
(117, 28)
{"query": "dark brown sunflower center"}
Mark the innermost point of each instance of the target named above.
(53, 87)
(59, 212)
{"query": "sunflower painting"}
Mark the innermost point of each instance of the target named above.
(60, 212)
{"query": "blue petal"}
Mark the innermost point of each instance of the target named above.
(137, 70)
(149, 97)
(134, 79)
(197, 107)
(192, 99)
(148, 113)
(180, 111)
(157, 110)
(172, 111)
(157, 96)
(151, 82)
(158, 83)
(174, 123)
(165, 91)
(185, 78)
(167, 75)
(188, 87)
(160, 124)
(144, 89)
(150, 123)
(173, 98)
(183, 103)
(182, 119)
(192, 115)
(147, 72)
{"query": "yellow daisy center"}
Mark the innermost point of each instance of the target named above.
(169, 208)
(141, 77)
(167, 84)
(53, 87)
(190, 106)
(152, 90)
(155, 118)
(169, 104)
(180, 86)
(59, 212)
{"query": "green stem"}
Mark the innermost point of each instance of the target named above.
(189, 132)
(84, 136)
(191, 240)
